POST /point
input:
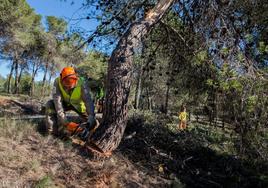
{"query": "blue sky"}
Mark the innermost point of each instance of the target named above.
(59, 8)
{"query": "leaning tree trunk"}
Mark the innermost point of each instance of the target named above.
(108, 136)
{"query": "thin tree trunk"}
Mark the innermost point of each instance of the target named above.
(166, 98)
(149, 99)
(35, 69)
(170, 67)
(16, 76)
(44, 79)
(19, 79)
(138, 90)
(108, 136)
(9, 77)
(32, 84)
(50, 78)
(50, 74)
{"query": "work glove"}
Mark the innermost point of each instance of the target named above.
(71, 127)
(84, 134)
(62, 119)
(90, 126)
(91, 122)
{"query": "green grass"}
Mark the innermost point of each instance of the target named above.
(34, 165)
(16, 129)
(45, 182)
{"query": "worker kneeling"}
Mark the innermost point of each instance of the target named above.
(70, 92)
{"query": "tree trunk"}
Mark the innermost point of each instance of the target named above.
(44, 79)
(35, 69)
(108, 136)
(149, 100)
(166, 98)
(16, 76)
(50, 78)
(19, 78)
(9, 77)
(170, 67)
(138, 90)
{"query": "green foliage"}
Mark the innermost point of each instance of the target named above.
(94, 66)
(262, 47)
(56, 26)
(251, 103)
(24, 38)
(11, 82)
(45, 182)
(148, 117)
(201, 57)
(210, 82)
(240, 57)
(249, 38)
(225, 51)
(31, 47)
(25, 85)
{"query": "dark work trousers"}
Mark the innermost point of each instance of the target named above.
(53, 124)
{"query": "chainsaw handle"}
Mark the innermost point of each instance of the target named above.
(79, 126)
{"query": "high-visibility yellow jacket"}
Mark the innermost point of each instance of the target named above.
(182, 116)
(79, 98)
(75, 97)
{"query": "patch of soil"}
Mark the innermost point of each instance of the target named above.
(4, 101)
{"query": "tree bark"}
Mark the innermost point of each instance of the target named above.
(44, 79)
(149, 99)
(35, 69)
(16, 75)
(9, 77)
(19, 78)
(170, 67)
(138, 90)
(166, 98)
(108, 136)
(50, 78)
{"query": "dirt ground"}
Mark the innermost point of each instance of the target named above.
(15, 106)
(28, 159)
(150, 155)
(4, 101)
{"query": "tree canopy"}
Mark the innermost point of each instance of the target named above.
(209, 55)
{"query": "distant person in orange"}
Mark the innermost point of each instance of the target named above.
(182, 118)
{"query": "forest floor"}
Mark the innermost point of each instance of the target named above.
(153, 153)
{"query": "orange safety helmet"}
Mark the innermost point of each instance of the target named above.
(68, 77)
